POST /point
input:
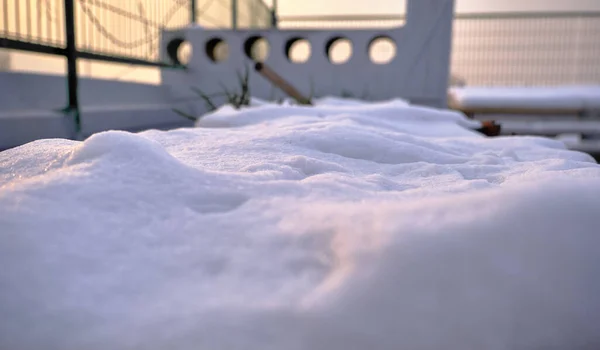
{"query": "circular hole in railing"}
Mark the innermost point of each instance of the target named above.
(382, 50)
(217, 50)
(179, 51)
(339, 50)
(257, 48)
(298, 50)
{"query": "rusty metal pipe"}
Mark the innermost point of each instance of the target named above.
(283, 85)
(490, 128)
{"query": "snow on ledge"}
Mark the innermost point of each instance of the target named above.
(557, 97)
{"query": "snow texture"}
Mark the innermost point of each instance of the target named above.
(347, 225)
(551, 97)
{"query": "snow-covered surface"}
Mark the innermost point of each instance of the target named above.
(343, 226)
(551, 97)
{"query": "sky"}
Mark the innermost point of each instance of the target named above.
(312, 7)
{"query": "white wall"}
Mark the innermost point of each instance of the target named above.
(418, 73)
(30, 107)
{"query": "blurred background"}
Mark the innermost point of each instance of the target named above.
(495, 42)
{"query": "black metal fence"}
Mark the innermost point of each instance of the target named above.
(504, 48)
(79, 29)
(112, 31)
(117, 31)
(254, 14)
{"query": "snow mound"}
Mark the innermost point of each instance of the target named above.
(342, 226)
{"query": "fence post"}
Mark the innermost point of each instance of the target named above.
(71, 55)
(234, 13)
(193, 18)
(274, 18)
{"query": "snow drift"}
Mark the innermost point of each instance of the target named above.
(344, 226)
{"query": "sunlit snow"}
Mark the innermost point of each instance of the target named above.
(347, 225)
